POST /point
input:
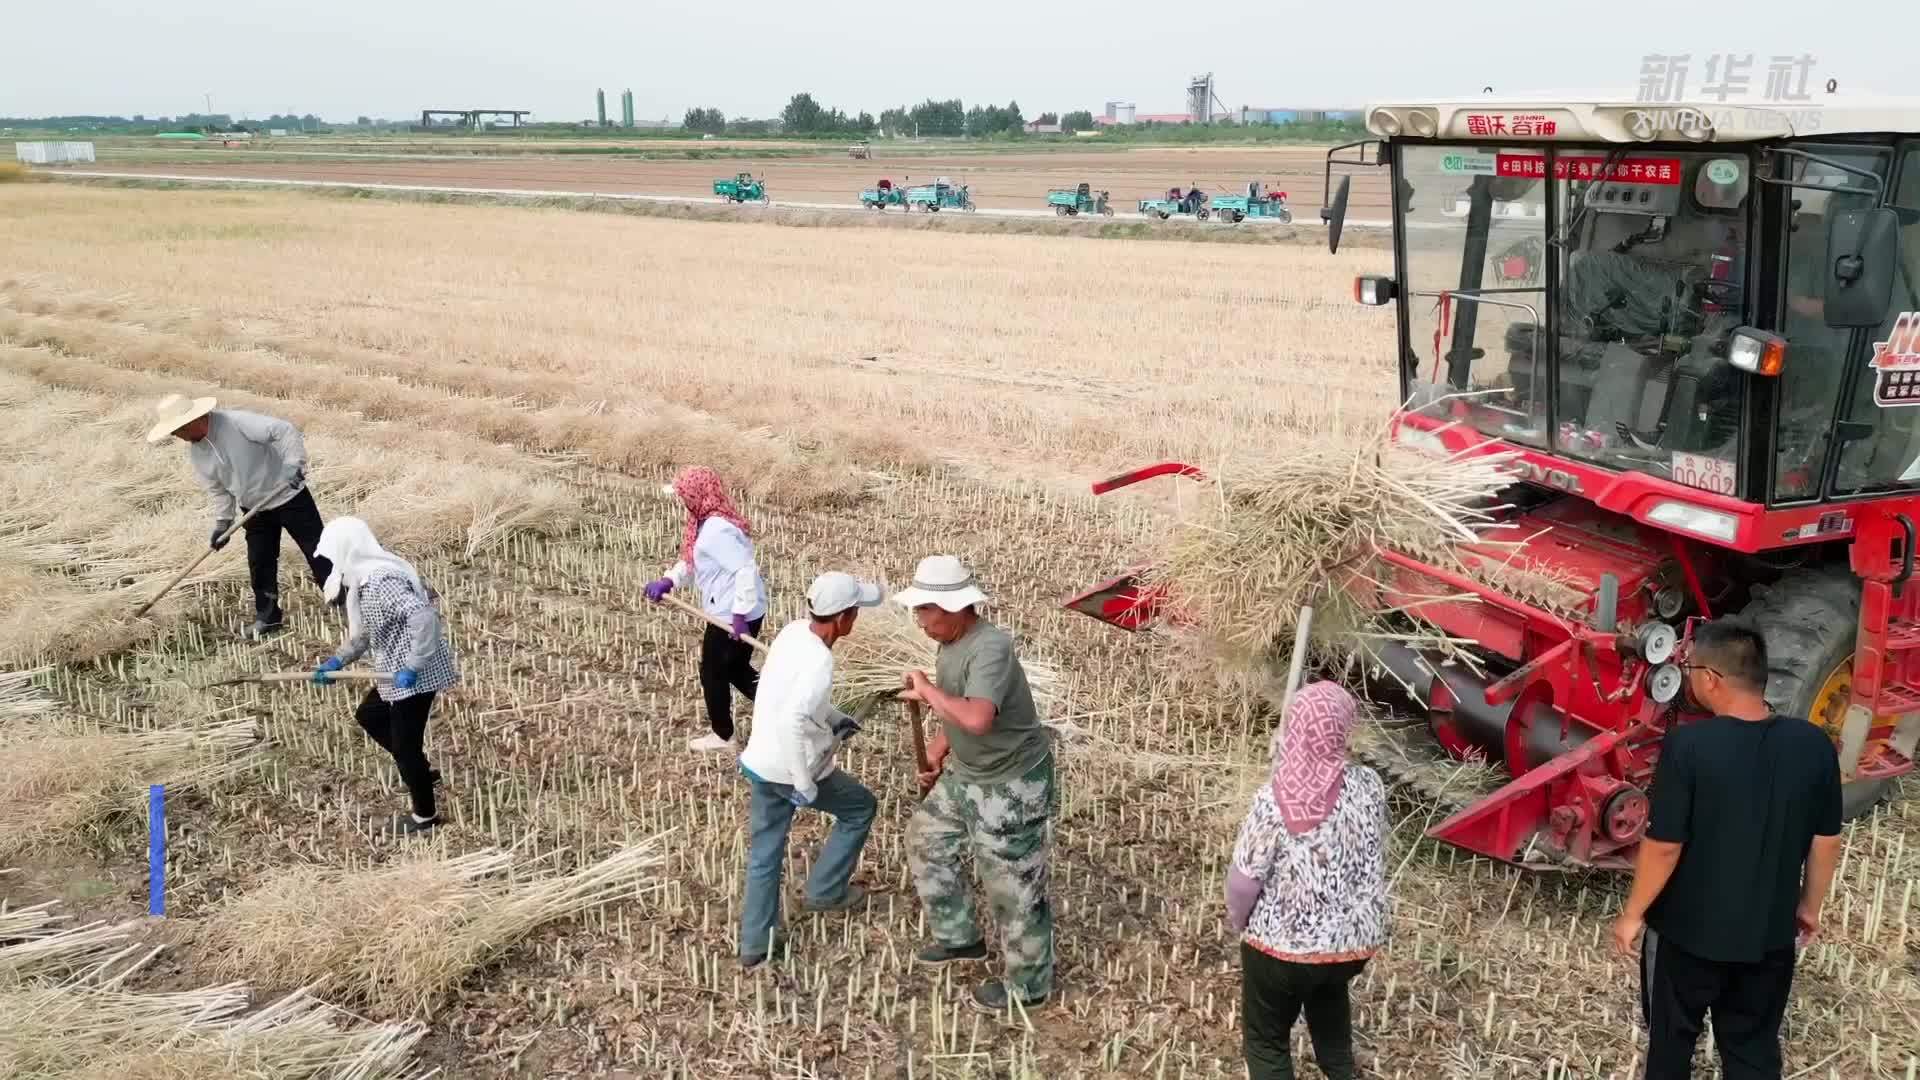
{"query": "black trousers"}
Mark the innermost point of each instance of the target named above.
(300, 519)
(1678, 990)
(1273, 994)
(400, 727)
(726, 665)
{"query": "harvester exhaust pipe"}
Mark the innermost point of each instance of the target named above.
(1606, 607)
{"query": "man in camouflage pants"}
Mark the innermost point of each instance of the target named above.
(989, 790)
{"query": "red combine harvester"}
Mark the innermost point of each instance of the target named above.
(1712, 388)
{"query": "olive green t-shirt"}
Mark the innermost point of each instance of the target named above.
(982, 665)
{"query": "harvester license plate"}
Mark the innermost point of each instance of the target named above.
(1705, 473)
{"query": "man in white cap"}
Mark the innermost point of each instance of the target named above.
(788, 763)
(249, 462)
(989, 786)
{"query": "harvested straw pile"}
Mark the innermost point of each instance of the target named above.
(442, 918)
(886, 643)
(32, 947)
(73, 1032)
(1282, 534)
(59, 781)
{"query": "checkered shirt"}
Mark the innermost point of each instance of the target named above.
(403, 631)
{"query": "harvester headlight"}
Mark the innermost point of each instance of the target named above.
(1663, 685)
(1384, 122)
(1373, 290)
(1656, 642)
(1641, 126)
(1424, 123)
(1697, 520)
(1757, 351)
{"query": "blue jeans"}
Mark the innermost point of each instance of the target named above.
(769, 818)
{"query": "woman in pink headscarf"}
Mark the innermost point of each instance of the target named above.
(1307, 889)
(716, 555)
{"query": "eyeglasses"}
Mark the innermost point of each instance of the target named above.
(1715, 672)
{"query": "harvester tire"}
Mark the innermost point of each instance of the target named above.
(1809, 620)
(1201, 214)
(1164, 215)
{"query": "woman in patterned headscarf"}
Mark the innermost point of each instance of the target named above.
(1307, 888)
(716, 553)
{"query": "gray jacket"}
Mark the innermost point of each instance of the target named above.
(248, 461)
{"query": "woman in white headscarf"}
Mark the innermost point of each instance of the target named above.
(391, 611)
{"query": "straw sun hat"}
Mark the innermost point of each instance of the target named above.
(175, 412)
(943, 581)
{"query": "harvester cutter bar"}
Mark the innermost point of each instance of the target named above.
(1402, 748)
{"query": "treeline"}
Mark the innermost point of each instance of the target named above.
(949, 119)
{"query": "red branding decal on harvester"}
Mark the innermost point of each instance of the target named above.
(1896, 364)
(1502, 124)
(1664, 171)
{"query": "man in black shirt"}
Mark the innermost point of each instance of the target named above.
(1740, 803)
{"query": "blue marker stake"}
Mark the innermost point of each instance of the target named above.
(156, 850)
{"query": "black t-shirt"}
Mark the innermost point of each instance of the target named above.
(1746, 798)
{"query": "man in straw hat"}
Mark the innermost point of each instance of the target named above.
(789, 763)
(245, 460)
(989, 787)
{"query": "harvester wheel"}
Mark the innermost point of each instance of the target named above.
(1059, 211)
(1809, 621)
(1201, 214)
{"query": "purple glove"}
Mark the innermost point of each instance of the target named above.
(658, 589)
(739, 626)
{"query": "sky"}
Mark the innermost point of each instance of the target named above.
(349, 58)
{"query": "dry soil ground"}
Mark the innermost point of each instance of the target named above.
(997, 181)
(500, 392)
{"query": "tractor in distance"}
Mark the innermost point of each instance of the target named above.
(859, 151)
(1711, 396)
(1080, 200)
(742, 188)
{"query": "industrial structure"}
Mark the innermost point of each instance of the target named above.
(472, 119)
(1201, 99)
(600, 108)
(1119, 112)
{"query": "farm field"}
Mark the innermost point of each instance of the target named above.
(500, 393)
(998, 181)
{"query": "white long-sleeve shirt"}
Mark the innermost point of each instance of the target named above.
(724, 569)
(247, 461)
(793, 740)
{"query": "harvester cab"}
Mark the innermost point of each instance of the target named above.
(1695, 331)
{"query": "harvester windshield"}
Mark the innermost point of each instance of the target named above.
(1597, 331)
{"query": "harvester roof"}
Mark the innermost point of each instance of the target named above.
(1590, 117)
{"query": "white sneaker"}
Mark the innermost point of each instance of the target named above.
(709, 741)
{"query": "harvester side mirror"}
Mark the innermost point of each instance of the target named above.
(1863, 254)
(1334, 214)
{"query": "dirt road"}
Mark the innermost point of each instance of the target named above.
(1015, 181)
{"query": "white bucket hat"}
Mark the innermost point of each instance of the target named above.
(834, 592)
(943, 581)
(175, 412)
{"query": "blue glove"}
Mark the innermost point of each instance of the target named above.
(844, 726)
(656, 590)
(405, 678)
(797, 799)
(739, 626)
(331, 663)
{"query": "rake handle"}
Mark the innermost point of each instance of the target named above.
(195, 564)
(715, 620)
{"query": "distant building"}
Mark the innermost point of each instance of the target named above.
(1038, 128)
